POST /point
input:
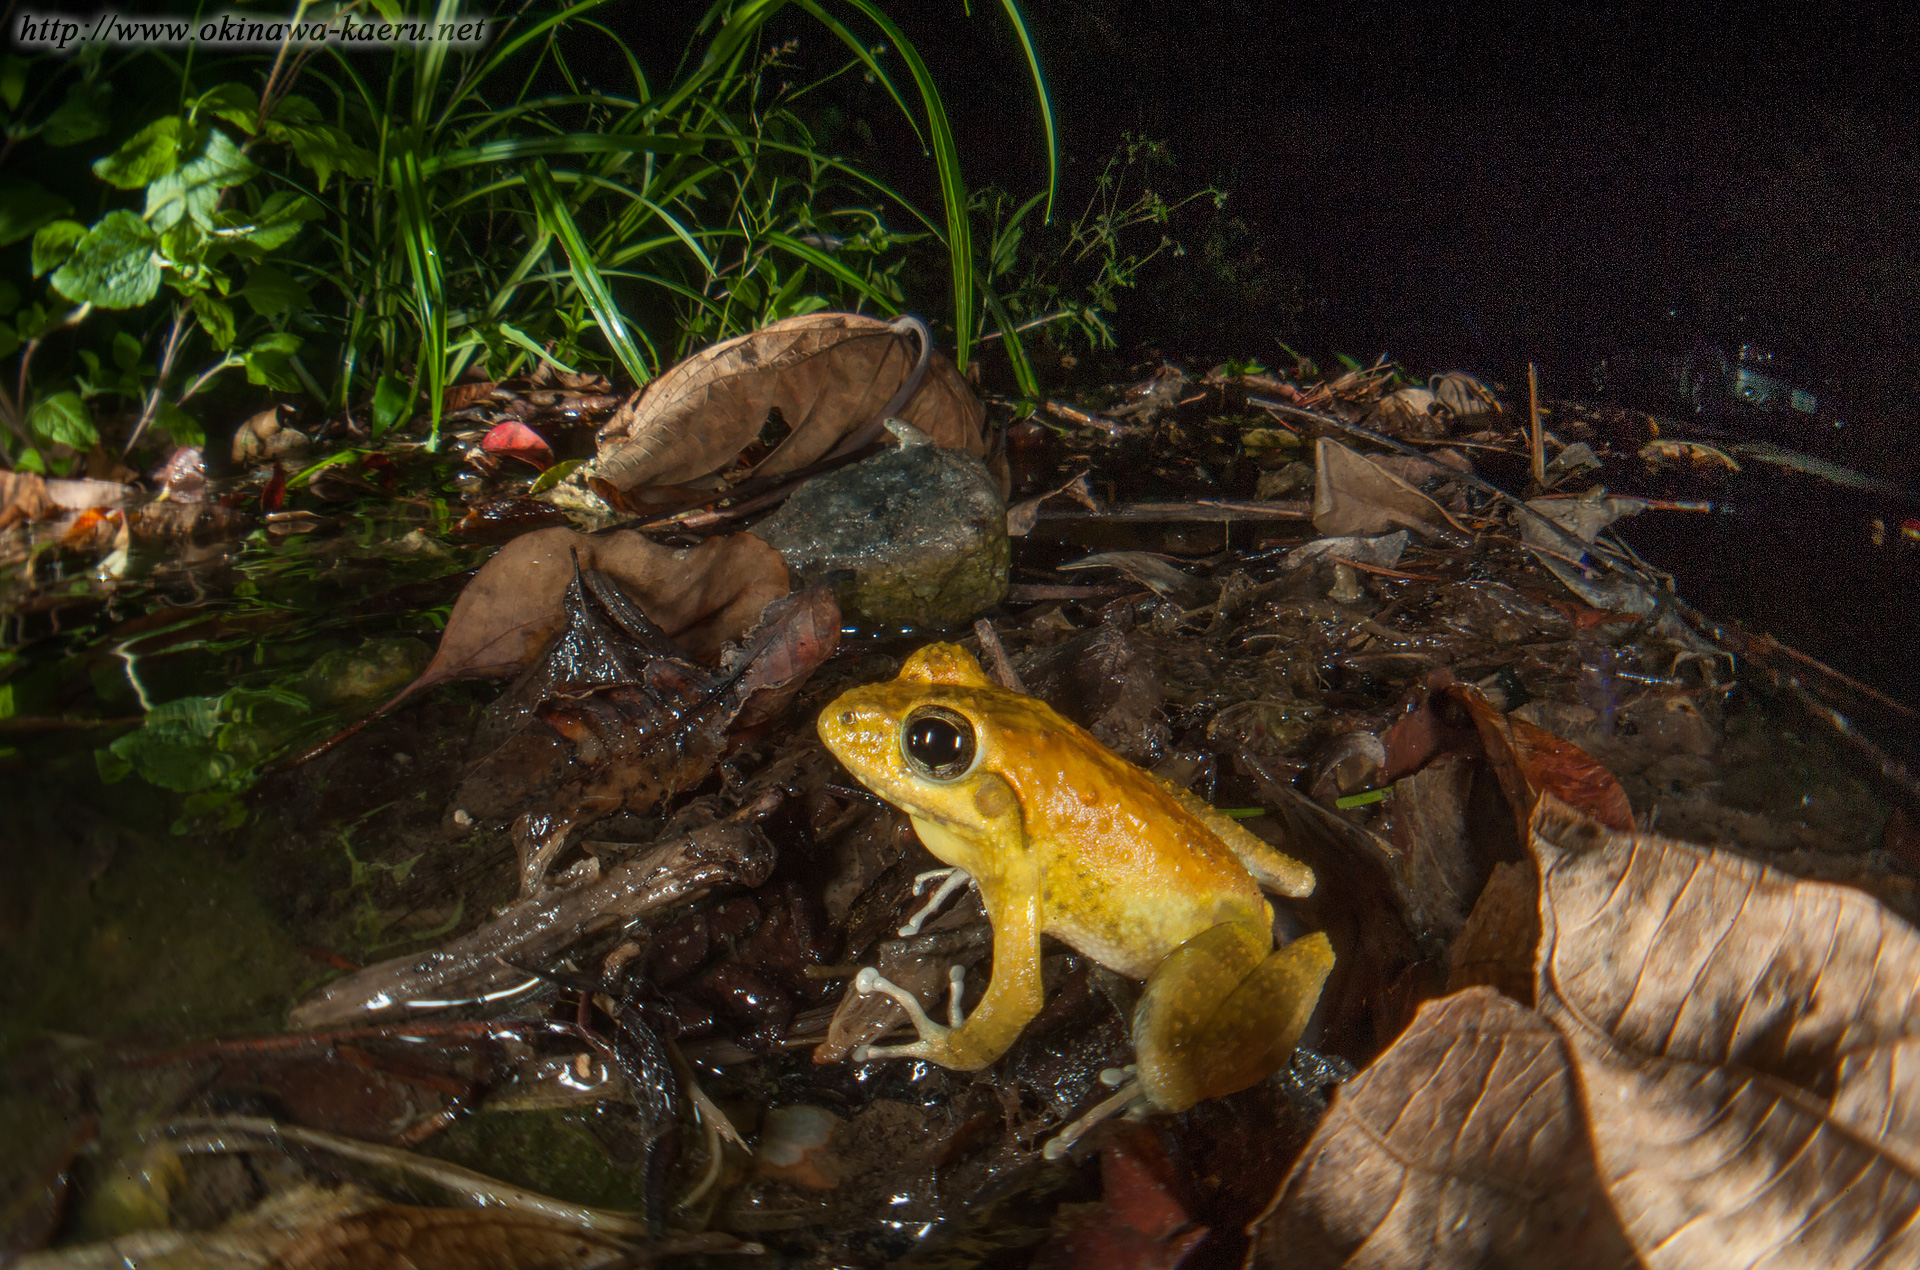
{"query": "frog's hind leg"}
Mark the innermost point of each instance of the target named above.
(1224, 1010)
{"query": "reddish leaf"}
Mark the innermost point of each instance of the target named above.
(275, 493)
(1138, 1225)
(1532, 761)
(94, 529)
(515, 440)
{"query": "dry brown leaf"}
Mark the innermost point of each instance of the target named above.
(1025, 514)
(1725, 1061)
(829, 375)
(1461, 1147)
(1354, 495)
(405, 1238)
(703, 596)
(23, 497)
(1749, 1046)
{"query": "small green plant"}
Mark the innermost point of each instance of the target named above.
(364, 231)
(1068, 279)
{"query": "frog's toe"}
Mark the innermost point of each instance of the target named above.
(868, 981)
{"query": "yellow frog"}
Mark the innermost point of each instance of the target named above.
(1064, 837)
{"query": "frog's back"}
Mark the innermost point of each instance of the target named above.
(1129, 872)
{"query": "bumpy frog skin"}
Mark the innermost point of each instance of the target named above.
(1066, 838)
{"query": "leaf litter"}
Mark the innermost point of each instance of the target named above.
(639, 837)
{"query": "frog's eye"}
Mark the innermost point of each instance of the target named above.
(938, 743)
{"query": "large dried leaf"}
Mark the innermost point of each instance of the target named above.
(829, 375)
(1354, 495)
(702, 596)
(1749, 1047)
(1463, 1146)
(1723, 1061)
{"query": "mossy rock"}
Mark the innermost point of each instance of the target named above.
(922, 529)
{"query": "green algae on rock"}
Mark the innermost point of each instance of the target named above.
(922, 528)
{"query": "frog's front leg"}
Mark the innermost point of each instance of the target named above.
(1012, 997)
(1224, 1010)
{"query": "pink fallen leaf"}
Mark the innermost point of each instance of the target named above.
(515, 440)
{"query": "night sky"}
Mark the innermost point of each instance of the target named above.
(1480, 185)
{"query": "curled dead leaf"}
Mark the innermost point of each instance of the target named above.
(1532, 762)
(829, 375)
(399, 1236)
(1354, 495)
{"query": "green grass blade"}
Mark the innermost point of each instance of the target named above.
(515, 149)
(429, 287)
(867, 59)
(1023, 375)
(953, 188)
(827, 264)
(430, 62)
(743, 22)
(557, 220)
(1045, 99)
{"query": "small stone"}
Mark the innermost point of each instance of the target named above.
(922, 528)
(371, 671)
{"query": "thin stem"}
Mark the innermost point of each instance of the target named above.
(166, 368)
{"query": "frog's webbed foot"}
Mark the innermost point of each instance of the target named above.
(951, 880)
(932, 1044)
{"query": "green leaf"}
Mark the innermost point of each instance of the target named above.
(81, 117)
(175, 748)
(25, 206)
(193, 188)
(238, 104)
(65, 419)
(266, 361)
(183, 246)
(126, 351)
(13, 79)
(112, 768)
(391, 402)
(9, 297)
(147, 155)
(52, 244)
(275, 224)
(30, 461)
(114, 266)
(9, 340)
(320, 146)
(182, 427)
(215, 317)
(273, 291)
